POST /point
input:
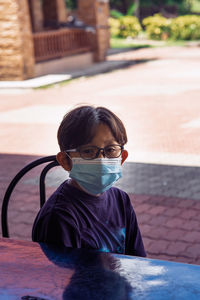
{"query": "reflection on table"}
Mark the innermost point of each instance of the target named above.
(48, 272)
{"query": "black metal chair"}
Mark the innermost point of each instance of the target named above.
(52, 162)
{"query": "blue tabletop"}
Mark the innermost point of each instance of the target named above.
(38, 271)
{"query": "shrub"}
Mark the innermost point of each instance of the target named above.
(157, 27)
(126, 26)
(129, 27)
(185, 28)
(180, 28)
(114, 27)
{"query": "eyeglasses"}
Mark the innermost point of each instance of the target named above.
(92, 152)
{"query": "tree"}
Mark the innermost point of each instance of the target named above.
(137, 8)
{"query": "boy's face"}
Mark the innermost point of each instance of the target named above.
(102, 138)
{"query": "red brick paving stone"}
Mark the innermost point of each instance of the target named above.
(191, 225)
(177, 248)
(197, 261)
(158, 247)
(169, 229)
(143, 208)
(197, 205)
(147, 242)
(172, 201)
(192, 237)
(186, 203)
(189, 214)
(159, 232)
(172, 211)
(139, 198)
(21, 231)
(18, 218)
(145, 229)
(157, 210)
(193, 250)
(158, 220)
(183, 259)
(143, 217)
(162, 257)
(175, 223)
(175, 234)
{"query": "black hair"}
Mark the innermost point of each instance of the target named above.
(79, 126)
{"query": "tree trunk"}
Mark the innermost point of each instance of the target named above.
(137, 9)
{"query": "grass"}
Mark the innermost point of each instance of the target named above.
(117, 43)
(120, 43)
(59, 84)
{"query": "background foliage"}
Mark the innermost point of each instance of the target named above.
(161, 19)
(148, 7)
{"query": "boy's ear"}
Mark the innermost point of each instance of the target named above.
(64, 161)
(124, 156)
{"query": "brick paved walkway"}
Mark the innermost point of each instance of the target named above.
(159, 103)
(170, 227)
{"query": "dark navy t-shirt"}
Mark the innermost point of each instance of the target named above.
(75, 219)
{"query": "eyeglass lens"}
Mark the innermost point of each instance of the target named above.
(111, 151)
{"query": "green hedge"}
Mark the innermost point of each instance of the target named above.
(126, 26)
(180, 28)
(185, 28)
(157, 27)
(114, 27)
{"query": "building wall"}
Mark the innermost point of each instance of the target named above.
(16, 45)
(86, 12)
(95, 13)
(36, 14)
(54, 12)
(16, 40)
(50, 12)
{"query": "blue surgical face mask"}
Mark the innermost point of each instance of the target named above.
(97, 175)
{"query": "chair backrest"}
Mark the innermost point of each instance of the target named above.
(52, 162)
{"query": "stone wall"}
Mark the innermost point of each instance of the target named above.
(103, 32)
(95, 13)
(16, 45)
(86, 12)
(61, 11)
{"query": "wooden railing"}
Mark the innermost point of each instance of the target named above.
(59, 43)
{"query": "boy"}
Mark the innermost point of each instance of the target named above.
(86, 211)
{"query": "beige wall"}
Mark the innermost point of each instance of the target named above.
(16, 45)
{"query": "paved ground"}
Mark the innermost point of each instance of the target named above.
(157, 96)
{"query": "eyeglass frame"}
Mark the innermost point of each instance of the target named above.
(97, 153)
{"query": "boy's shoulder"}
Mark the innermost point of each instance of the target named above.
(118, 193)
(59, 196)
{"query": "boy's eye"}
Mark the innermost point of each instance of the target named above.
(87, 151)
(113, 151)
(110, 149)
